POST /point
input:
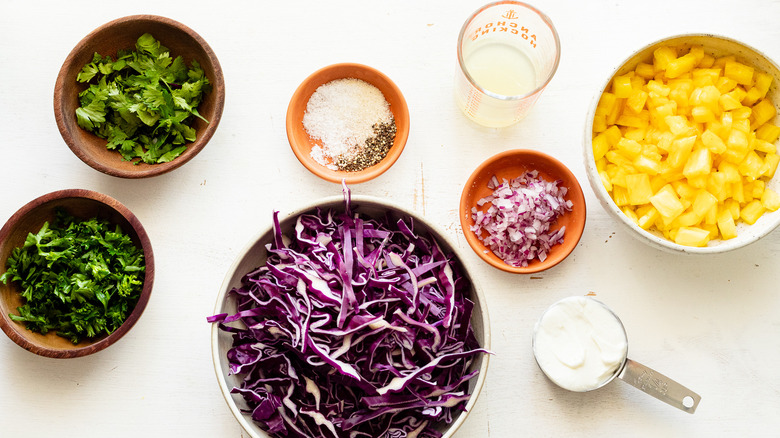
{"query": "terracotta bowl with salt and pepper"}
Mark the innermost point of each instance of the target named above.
(510, 165)
(374, 143)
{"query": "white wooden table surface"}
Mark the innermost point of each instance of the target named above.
(711, 323)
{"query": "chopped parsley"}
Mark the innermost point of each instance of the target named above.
(143, 103)
(78, 278)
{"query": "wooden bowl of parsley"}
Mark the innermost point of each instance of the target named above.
(139, 96)
(76, 273)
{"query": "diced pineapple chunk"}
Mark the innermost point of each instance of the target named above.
(692, 236)
(702, 114)
(707, 61)
(600, 146)
(770, 200)
(648, 165)
(684, 189)
(629, 148)
(758, 188)
(620, 195)
(729, 101)
(738, 146)
(648, 219)
(717, 184)
(699, 181)
(714, 143)
(599, 123)
(659, 88)
(636, 134)
(644, 70)
(764, 146)
(752, 96)
(621, 86)
(752, 166)
(763, 82)
(640, 120)
(615, 157)
(677, 124)
(721, 62)
(681, 65)
(606, 104)
(741, 113)
(742, 125)
(686, 219)
(639, 190)
(699, 163)
(662, 56)
(726, 225)
(752, 211)
(738, 192)
(605, 181)
(636, 101)
(703, 203)
(617, 109)
(630, 213)
(613, 135)
(739, 72)
(770, 165)
(680, 91)
(680, 151)
(725, 84)
(768, 132)
(706, 76)
(667, 203)
(705, 96)
(764, 111)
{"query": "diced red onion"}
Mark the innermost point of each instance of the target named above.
(516, 224)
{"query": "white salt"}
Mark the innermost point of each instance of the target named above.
(341, 114)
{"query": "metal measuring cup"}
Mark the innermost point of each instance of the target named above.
(631, 372)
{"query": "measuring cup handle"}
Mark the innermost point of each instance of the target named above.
(659, 386)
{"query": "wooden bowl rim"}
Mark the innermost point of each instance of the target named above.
(16, 331)
(143, 170)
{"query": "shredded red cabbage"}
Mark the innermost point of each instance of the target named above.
(516, 226)
(355, 327)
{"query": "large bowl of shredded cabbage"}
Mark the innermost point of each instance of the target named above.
(350, 318)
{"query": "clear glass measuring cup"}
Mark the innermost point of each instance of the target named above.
(507, 53)
(606, 332)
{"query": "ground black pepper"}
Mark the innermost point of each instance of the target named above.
(374, 150)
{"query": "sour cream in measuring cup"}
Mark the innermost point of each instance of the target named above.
(580, 344)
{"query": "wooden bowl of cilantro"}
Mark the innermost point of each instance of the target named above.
(76, 273)
(139, 96)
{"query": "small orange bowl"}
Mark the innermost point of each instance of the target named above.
(301, 143)
(120, 34)
(84, 205)
(511, 164)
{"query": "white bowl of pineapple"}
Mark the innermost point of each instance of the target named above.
(680, 144)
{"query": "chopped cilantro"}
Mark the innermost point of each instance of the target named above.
(80, 279)
(143, 103)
